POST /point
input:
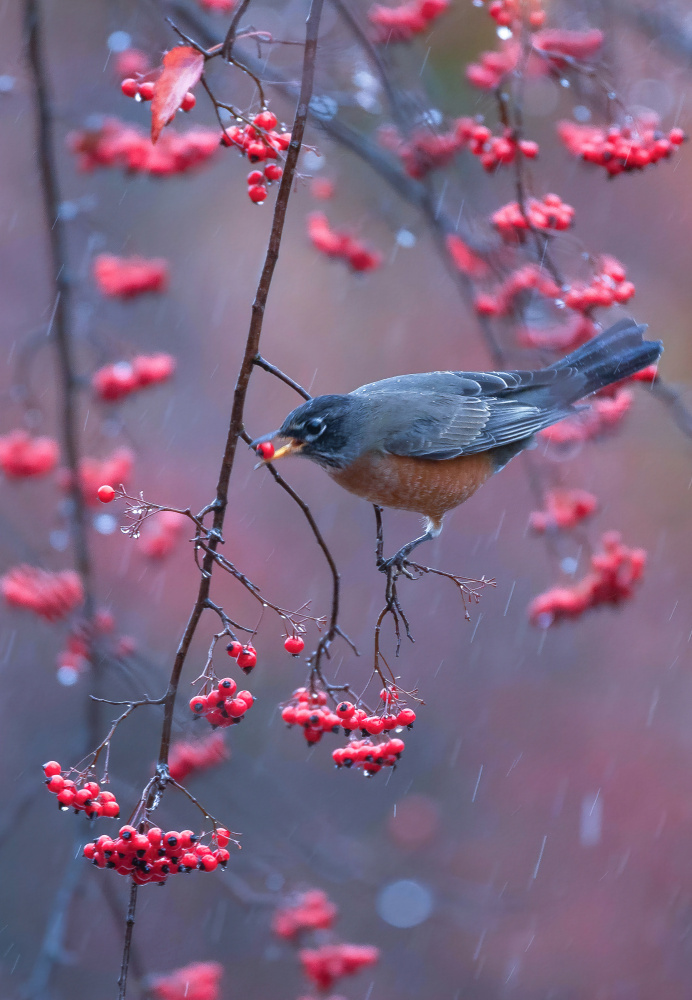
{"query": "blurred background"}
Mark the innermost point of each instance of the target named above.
(536, 839)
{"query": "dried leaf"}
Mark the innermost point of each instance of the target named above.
(182, 68)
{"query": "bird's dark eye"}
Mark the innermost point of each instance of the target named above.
(314, 427)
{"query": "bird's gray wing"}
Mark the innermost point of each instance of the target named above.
(465, 383)
(440, 415)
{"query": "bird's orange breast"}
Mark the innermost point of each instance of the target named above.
(422, 485)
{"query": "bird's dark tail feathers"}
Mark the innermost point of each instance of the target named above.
(615, 354)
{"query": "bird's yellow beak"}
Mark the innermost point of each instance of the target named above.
(291, 448)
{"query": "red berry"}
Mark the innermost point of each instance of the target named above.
(247, 659)
(110, 809)
(129, 87)
(198, 704)
(265, 450)
(228, 687)
(288, 714)
(92, 788)
(273, 172)
(105, 494)
(66, 797)
(257, 193)
(283, 141)
(146, 90)
(247, 697)
(155, 835)
(222, 836)
(406, 717)
(55, 783)
(294, 645)
(222, 856)
(234, 649)
(208, 863)
(373, 725)
(236, 707)
(345, 709)
(256, 151)
(50, 768)
(265, 120)
(188, 102)
(255, 177)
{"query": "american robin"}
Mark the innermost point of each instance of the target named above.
(427, 442)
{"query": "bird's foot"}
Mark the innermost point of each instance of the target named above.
(396, 566)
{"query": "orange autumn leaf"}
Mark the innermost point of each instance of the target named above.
(182, 68)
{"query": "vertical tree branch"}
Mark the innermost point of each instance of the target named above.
(240, 394)
(127, 947)
(60, 331)
(61, 322)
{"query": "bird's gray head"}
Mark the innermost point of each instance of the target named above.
(323, 429)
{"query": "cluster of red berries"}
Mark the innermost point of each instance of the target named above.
(187, 758)
(23, 456)
(532, 278)
(369, 756)
(600, 415)
(245, 656)
(401, 24)
(224, 705)
(311, 911)
(620, 148)
(114, 382)
(550, 213)
(505, 13)
(333, 961)
(50, 595)
(422, 151)
(493, 67)
(128, 277)
(565, 509)
(143, 90)
(309, 710)
(556, 44)
(576, 330)
(259, 141)
(464, 258)
(161, 534)
(152, 855)
(94, 472)
(494, 150)
(606, 288)
(82, 796)
(116, 144)
(197, 981)
(342, 245)
(614, 573)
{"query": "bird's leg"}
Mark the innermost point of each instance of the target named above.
(397, 563)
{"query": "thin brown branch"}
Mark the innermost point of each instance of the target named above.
(127, 946)
(273, 370)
